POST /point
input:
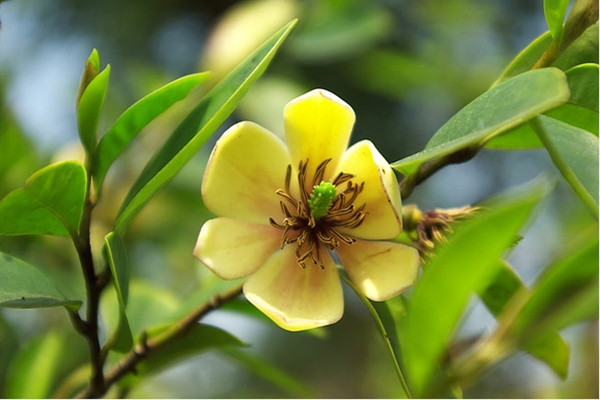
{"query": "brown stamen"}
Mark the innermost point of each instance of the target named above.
(310, 234)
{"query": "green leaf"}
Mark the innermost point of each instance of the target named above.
(527, 58)
(578, 116)
(581, 111)
(24, 286)
(583, 50)
(555, 11)
(565, 294)
(135, 118)
(551, 348)
(50, 203)
(33, 371)
(270, 373)
(88, 109)
(116, 254)
(90, 70)
(501, 108)
(197, 128)
(583, 82)
(575, 154)
(465, 264)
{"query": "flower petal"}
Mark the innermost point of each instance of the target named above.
(246, 167)
(296, 298)
(317, 126)
(233, 248)
(380, 194)
(380, 269)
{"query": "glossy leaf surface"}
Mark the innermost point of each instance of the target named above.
(116, 254)
(575, 154)
(555, 11)
(200, 124)
(551, 348)
(136, 117)
(88, 109)
(50, 202)
(24, 286)
(503, 107)
(461, 267)
(565, 294)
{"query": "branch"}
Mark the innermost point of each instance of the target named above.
(408, 184)
(146, 346)
(93, 290)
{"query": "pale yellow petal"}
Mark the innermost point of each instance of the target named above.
(380, 270)
(296, 298)
(246, 167)
(233, 248)
(380, 194)
(318, 125)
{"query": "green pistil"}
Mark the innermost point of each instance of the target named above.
(321, 199)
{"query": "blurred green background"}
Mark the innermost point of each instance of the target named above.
(404, 66)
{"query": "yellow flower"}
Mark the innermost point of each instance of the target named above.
(284, 209)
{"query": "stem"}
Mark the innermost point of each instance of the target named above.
(583, 15)
(146, 346)
(93, 290)
(384, 334)
(408, 184)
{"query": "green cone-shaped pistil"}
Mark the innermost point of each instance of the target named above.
(321, 199)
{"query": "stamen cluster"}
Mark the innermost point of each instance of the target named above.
(300, 226)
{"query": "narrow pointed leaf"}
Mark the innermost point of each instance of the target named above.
(90, 70)
(136, 117)
(88, 109)
(555, 11)
(501, 108)
(461, 267)
(197, 128)
(24, 286)
(575, 154)
(551, 348)
(565, 294)
(116, 255)
(50, 203)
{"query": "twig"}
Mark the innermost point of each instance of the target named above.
(93, 290)
(146, 346)
(408, 184)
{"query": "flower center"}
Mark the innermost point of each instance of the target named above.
(321, 199)
(316, 220)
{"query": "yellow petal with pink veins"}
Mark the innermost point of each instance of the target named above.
(233, 248)
(380, 194)
(380, 270)
(246, 167)
(318, 125)
(296, 298)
